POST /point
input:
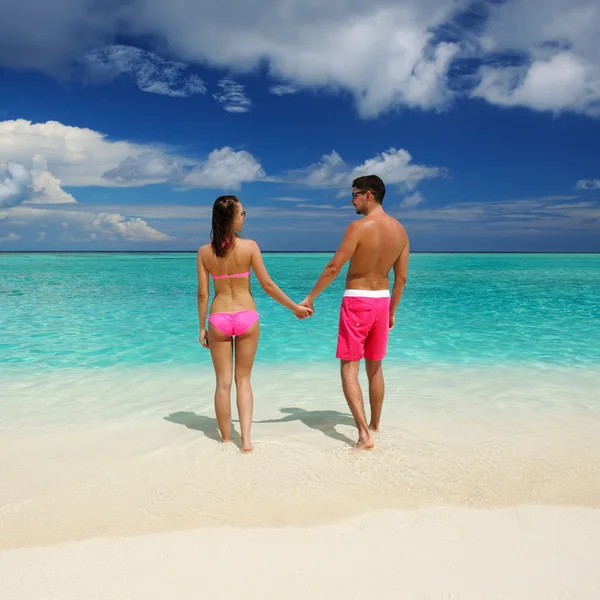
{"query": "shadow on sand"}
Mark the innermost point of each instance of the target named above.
(324, 421)
(207, 425)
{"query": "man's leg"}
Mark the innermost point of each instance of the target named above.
(376, 391)
(375, 351)
(354, 398)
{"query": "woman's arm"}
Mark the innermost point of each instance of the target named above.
(203, 283)
(270, 287)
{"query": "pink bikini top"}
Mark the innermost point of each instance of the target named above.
(246, 274)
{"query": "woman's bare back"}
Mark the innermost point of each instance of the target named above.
(230, 277)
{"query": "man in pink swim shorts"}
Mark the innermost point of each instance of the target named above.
(373, 245)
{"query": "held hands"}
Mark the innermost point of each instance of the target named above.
(309, 303)
(306, 305)
(302, 312)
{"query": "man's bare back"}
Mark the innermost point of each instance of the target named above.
(380, 242)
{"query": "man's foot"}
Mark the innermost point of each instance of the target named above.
(373, 429)
(364, 443)
(247, 447)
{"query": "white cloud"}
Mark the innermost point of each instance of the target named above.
(22, 192)
(559, 42)
(393, 166)
(564, 81)
(283, 90)
(83, 157)
(317, 206)
(588, 184)
(45, 186)
(150, 72)
(148, 167)
(15, 183)
(384, 53)
(413, 200)
(232, 96)
(331, 170)
(116, 226)
(225, 168)
(74, 225)
(19, 185)
(288, 199)
(77, 156)
(551, 213)
(11, 237)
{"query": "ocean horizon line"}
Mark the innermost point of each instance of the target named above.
(295, 252)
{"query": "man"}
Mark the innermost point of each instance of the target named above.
(373, 245)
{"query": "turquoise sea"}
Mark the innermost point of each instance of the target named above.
(91, 310)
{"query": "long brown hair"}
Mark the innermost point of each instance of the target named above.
(221, 234)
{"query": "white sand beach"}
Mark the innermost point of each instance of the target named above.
(483, 484)
(524, 553)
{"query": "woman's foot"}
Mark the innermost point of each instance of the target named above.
(247, 446)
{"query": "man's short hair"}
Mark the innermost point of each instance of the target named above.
(371, 183)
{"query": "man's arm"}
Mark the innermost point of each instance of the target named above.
(400, 274)
(202, 298)
(332, 269)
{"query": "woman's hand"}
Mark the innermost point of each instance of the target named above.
(302, 312)
(204, 338)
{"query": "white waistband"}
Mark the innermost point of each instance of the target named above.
(367, 293)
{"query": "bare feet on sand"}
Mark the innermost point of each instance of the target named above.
(365, 443)
(247, 447)
(373, 429)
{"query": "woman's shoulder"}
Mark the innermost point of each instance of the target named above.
(247, 244)
(204, 250)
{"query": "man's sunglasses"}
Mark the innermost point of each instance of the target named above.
(354, 194)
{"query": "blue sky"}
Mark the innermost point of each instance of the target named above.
(120, 124)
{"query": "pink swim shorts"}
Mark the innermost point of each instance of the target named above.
(364, 325)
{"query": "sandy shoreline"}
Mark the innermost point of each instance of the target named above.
(114, 486)
(132, 478)
(525, 553)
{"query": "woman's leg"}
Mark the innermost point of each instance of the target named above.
(221, 350)
(245, 350)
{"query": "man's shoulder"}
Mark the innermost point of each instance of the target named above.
(397, 223)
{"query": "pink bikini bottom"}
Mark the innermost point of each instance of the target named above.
(233, 323)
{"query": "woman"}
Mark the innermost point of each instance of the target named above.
(233, 315)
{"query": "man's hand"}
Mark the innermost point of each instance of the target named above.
(392, 320)
(309, 303)
(303, 312)
(204, 338)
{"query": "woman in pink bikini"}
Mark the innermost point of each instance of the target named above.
(233, 318)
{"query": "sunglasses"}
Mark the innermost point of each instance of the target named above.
(243, 214)
(355, 194)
